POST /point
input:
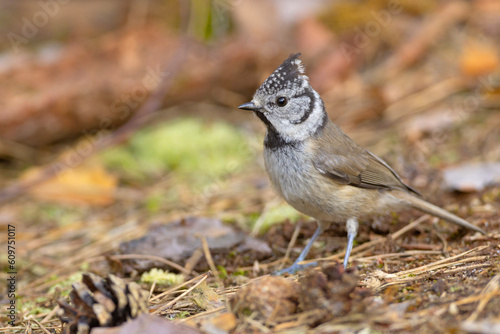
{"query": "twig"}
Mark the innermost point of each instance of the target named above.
(409, 227)
(144, 257)
(210, 261)
(257, 324)
(404, 254)
(152, 289)
(175, 300)
(42, 327)
(193, 259)
(292, 242)
(474, 266)
(438, 264)
(169, 291)
(50, 315)
(489, 291)
(215, 310)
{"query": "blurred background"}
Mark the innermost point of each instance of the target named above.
(116, 115)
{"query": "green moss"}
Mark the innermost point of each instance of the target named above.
(182, 315)
(161, 277)
(153, 202)
(46, 212)
(239, 272)
(65, 285)
(222, 272)
(277, 214)
(190, 148)
(39, 305)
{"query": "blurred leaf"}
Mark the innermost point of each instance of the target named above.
(478, 59)
(86, 184)
(205, 297)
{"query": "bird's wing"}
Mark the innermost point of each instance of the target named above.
(346, 162)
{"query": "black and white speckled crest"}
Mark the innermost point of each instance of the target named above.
(290, 75)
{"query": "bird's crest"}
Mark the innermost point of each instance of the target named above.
(289, 75)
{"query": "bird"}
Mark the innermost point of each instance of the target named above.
(321, 171)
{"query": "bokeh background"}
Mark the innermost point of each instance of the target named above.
(116, 116)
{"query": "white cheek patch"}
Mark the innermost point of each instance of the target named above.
(301, 131)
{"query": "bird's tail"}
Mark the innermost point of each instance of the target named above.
(427, 207)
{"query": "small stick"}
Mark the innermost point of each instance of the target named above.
(50, 315)
(210, 261)
(42, 327)
(175, 300)
(291, 244)
(176, 287)
(146, 257)
(490, 290)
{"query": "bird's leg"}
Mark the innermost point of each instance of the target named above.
(296, 266)
(352, 230)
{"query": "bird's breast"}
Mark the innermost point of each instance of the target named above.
(294, 177)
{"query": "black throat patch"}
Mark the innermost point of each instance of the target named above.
(274, 140)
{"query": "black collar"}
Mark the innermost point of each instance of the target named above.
(274, 140)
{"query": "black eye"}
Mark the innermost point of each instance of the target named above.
(281, 101)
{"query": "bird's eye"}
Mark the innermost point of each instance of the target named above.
(281, 101)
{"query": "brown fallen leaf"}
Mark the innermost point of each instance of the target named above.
(88, 184)
(220, 324)
(478, 59)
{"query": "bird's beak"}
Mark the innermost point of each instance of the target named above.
(248, 106)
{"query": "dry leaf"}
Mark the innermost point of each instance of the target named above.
(478, 59)
(85, 184)
(221, 323)
(206, 298)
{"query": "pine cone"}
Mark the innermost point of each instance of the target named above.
(99, 302)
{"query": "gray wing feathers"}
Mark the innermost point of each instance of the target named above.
(350, 164)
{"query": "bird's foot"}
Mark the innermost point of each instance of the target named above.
(294, 268)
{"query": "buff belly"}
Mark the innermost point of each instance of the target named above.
(297, 182)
